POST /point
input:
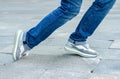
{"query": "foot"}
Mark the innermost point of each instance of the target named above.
(19, 49)
(83, 50)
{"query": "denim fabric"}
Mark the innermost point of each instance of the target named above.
(92, 18)
(65, 12)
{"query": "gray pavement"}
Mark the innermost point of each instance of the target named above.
(55, 62)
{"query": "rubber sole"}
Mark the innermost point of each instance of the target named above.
(17, 38)
(74, 51)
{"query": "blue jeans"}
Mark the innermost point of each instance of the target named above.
(65, 12)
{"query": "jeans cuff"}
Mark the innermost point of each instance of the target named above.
(76, 42)
(27, 47)
(24, 42)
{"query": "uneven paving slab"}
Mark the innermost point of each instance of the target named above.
(110, 66)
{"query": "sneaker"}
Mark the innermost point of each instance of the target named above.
(19, 49)
(83, 50)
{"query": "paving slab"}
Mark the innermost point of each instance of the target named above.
(74, 63)
(112, 24)
(115, 44)
(61, 54)
(105, 36)
(104, 76)
(101, 44)
(5, 59)
(6, 40)
(20, 71)
(110, 66)
(108, 53)
(51, 50)
(34, 66)
(7, 49)
(59, 62)
(2, 47)
(53, 74)
(6, 33)
(103, 33)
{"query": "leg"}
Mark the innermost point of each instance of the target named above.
(88, 24)
(67, 10)
(91, 20)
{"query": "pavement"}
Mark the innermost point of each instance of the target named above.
(55, 62)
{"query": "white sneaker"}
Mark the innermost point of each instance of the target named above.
(19, 50)
(83, 50)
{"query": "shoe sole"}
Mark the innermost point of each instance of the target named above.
(79, 53)
(16, 43)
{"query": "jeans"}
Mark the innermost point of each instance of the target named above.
(65, 12)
